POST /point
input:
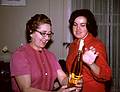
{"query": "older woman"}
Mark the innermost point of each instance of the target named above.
(33, 67)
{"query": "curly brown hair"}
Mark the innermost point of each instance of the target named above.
(34, 22)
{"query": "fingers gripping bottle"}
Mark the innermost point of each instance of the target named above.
(76, 69)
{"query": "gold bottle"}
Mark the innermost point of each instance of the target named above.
(76, 69)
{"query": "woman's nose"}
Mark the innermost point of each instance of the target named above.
(78, 27)
(47, 37)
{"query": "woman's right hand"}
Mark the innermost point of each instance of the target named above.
(76, 88)
(65, 88)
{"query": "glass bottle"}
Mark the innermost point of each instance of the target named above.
(76, 69)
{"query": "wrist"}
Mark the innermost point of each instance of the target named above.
(64, 81)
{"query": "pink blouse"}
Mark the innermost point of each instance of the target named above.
(42, 66)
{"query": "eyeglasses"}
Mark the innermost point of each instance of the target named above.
(44, 34)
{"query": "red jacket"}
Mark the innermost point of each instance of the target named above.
(92, 82)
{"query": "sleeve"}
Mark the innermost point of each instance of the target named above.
(102, 62)
(56, 63)
(19, 65)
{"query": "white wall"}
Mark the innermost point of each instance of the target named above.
(13, 20)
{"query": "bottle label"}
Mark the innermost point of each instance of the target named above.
(73, 79)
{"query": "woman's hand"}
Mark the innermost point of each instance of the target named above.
(65, 88)
(79, 85)
(90, 55)
(76, 88)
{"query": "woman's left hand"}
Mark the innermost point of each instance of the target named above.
(90, 55)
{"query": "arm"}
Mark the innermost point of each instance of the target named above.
(96, 59)
(102, 61)
(24, 83)
(62, 77)
(89, 57)
(95, 68)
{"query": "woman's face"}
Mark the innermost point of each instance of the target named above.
(79, 27)
(41, 36)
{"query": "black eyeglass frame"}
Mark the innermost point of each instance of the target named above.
(43, 34)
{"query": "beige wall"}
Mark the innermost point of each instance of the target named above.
(14, 18)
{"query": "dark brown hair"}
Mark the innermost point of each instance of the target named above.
(91, 22)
